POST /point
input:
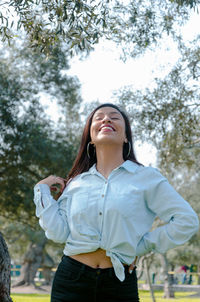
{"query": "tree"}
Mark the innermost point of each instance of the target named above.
(32, 147)
(4, 272)
(168, 114)
(29, 139)
(33, 260)
(187, 183)
(147, 263)
(168, 290)
(29, 247)
(80, 24)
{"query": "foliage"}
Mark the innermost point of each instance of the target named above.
(80, 24)
(31, 146)
(188, 184)
(142, 24)
(20, 234)
(168, 115)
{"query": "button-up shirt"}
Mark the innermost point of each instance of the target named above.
(116, 214)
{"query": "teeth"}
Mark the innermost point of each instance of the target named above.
(107, 128)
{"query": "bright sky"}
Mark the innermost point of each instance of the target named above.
(103, 72)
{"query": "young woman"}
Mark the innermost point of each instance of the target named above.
(105, 214)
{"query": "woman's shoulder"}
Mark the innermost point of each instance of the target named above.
(150, 173)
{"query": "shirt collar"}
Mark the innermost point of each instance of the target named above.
(130, 166)
(127, 165)
(92, 170)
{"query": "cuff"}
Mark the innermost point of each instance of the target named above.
(42, 198)
(143, 247)
(43, 188)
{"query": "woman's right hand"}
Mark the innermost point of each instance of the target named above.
(53, 180)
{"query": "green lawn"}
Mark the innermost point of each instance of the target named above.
(30, 298)
(144, 297)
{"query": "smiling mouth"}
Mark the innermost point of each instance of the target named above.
(107, 128)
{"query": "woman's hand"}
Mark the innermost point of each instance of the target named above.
(133, 265)
(53, 180)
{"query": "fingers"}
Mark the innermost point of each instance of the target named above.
(58, 180)
(133, 265)
(131, 268)
(53, 180)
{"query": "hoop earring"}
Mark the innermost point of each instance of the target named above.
(129, 149)
(88, 150)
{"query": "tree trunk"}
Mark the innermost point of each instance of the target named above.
(32, 261)
(198, 270)
(149, 280)
(47, 265)
(140, 267)
(168, 289)
(4, 271)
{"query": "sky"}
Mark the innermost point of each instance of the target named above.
(103, 72)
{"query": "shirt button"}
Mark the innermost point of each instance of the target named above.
(106, 182)
(102, 195)
(100, 213)
(38, 190)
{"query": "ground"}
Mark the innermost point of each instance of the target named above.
(46, 289)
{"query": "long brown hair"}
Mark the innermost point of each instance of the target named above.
(82, 162)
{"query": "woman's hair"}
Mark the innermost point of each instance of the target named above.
(82, 162)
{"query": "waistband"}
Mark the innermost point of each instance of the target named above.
(90, 270)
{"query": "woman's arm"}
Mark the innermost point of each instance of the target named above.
(51, 214)
(181, 220)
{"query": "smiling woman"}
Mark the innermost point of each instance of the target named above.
(104, 215)
(108, 131)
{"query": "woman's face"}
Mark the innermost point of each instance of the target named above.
(108, 126)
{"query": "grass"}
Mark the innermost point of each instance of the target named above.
(144, 297)
(30, 298)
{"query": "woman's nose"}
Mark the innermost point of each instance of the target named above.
(106, 119)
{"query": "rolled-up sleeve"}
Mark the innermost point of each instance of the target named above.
(52, 214)
(181, 220)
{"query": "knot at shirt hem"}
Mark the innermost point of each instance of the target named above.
(117, 265)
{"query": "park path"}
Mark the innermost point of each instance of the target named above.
(31, 290)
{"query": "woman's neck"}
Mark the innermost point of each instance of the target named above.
(108, 158)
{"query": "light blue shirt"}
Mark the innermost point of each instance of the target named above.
(116, 214)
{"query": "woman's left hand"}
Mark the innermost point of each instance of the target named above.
(133, 265)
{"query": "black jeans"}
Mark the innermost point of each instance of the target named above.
(77, 282)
